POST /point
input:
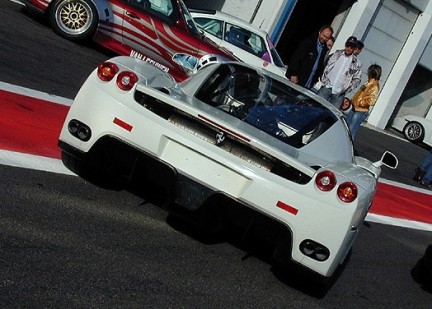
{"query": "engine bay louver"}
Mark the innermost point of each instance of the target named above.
(231, 143)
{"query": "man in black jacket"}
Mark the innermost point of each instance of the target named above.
(307, 62)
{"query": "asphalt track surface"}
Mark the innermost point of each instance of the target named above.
(67, 243)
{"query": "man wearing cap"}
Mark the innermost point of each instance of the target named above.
(342, 74)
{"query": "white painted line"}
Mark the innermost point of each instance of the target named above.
(405, 186)
(35, 94)
(17, 1)
(399, 222)
(40, 163)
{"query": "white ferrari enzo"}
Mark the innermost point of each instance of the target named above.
(244, 144)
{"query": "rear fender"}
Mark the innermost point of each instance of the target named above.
(105, 12)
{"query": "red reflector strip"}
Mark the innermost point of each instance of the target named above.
(122, 124)
(287, 207)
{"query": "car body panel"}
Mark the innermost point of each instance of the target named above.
(167, 122)
(400, 122)
(151, 33)
(249, 43)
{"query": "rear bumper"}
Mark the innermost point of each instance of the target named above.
(112, 159)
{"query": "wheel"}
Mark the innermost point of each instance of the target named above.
(74, 20)
(414, 132)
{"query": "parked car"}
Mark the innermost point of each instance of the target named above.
(151, 30)
(248, 42)
(416, 129)
(232, 143)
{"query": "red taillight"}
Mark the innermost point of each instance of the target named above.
(107, 70)
(126, 80)
(325, 180)
(347, 192)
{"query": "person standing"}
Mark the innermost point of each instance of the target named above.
(341, 74)
(330, 42)
(358, 49)
(317, 85)
(364, 99)
(307, 61)
(423, 173)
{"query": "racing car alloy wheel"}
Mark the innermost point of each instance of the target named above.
(413, 131)
(74, 19)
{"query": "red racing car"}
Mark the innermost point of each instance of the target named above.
(151, 30)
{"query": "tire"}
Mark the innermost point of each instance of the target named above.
(75, 20)
(414, 132)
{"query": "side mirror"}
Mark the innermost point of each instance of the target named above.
(388, 159)
(186, 61)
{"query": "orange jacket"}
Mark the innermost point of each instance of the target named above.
(366, 96)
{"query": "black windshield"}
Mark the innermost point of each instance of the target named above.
(267, 104)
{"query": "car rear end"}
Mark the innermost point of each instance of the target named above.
(175, 139)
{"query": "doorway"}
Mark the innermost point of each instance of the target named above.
(306, 19)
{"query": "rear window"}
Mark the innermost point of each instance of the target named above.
(267, 104)
(245, 39)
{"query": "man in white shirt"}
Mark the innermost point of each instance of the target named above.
(342, 74)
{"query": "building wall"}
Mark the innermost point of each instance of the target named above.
(402, 70)
(383, 27)
(417, 105)
(426, 58)
(267, 13)
(243, 9)
(210, 5)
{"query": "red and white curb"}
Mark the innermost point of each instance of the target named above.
(394, 203)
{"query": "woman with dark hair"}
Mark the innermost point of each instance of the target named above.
(364, 98)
